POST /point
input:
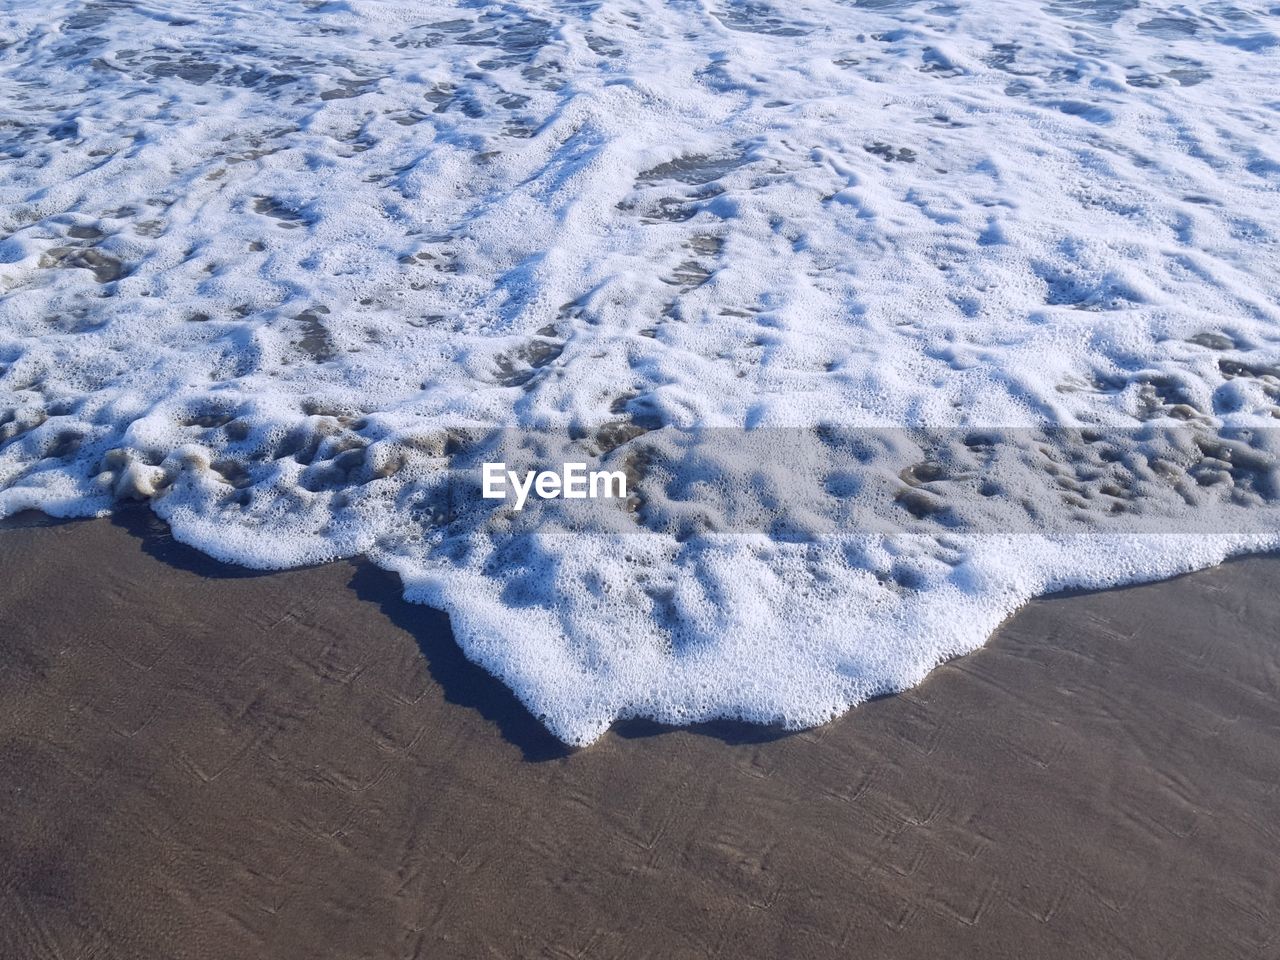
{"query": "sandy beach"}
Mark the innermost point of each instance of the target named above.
(202, 762)
(648, 364)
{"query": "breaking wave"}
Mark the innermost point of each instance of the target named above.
(895, 313)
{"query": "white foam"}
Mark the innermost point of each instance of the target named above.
(257, 258)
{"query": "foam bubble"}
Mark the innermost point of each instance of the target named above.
(276, 267)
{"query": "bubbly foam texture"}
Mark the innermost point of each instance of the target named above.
(264, 264)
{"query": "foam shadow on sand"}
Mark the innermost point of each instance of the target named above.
(462, 682)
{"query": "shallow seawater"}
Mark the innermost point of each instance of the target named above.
(893, 313)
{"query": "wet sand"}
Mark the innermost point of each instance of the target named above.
(197, 761)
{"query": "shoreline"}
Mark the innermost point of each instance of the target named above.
(201, 760)
(385, 587)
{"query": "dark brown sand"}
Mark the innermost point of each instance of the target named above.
(200, 762)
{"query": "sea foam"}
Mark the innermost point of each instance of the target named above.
(897, 314)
